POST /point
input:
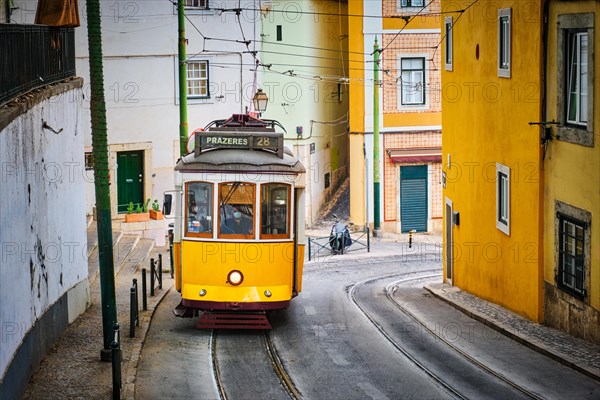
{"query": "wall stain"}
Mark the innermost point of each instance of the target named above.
(32, 272)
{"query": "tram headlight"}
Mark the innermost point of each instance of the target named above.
(235, 277)
(268, 293)
(202, 292)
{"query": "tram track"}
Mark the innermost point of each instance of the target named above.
(271, 356)
(389, 292)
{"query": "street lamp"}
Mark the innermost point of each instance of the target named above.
(260, 101)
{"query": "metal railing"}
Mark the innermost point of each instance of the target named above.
(328, 245)
(32, 56)
(134, 308)
(155, 273)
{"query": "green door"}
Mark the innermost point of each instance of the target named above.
(130, 179)
(413, 198)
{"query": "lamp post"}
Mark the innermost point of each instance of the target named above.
(260, 101)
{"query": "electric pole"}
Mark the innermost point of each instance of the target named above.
(183, 124)
(376, 172)
(101, 178)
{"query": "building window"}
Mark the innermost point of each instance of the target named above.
(503, 198)
(577, 90)
(196, 4)
(197, 79)
(504, 42)
(279, 33)
(575, 84)
(571, 254)
(412, 3)
(412, 78)
(448, 42)
(89, 161)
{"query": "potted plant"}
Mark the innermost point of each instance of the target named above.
(140, 213)
(155, 212)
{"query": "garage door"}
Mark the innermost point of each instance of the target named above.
(413, 198)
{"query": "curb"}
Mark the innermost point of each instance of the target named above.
(522, 339)
(136, 350)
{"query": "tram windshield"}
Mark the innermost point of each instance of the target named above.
(275, 210)
(236, 209)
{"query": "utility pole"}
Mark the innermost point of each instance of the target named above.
(183, 124)
(101, 180)
(376, 172)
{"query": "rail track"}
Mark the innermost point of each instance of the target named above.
(389, 292)
(271, 358)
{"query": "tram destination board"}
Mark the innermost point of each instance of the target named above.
(239, 140)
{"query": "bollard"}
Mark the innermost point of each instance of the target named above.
(368, 240)
(160, 271)
(137, 302)
(132, 312)
(152, 276)
(410, 233)
(343, 242)
(144, 292)
(309, 240)
(116, 363)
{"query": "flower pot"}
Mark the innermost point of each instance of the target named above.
(137, 217)
(156, 214)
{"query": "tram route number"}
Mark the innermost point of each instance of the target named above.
(239, 142)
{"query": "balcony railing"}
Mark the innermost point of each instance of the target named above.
(32, 56)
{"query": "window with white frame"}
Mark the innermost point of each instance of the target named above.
(504, 42)
(575, 85)
(196, 4)
(503, 198)
(577, 70)
(197, 79)
(412, 77)
(448, 43)
(412, 3)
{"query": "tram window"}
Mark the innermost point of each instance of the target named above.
(275, 215)
(199, 210)
(236, 210)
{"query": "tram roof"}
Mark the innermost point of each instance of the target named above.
(237, 160)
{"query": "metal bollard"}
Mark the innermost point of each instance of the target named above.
(343, 242)
(116, 363)
(410, 233)
(152, 276)
(132, 312)
(309, 255)
(144, 291)
(160, 271)
(137, 302)
(368, 240)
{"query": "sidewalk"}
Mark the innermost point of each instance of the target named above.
(578, 354)
(72, 369)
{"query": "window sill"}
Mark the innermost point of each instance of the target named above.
(574, 135)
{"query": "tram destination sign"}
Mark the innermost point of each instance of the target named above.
(239, 140)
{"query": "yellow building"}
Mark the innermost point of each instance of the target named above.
(572, 170)
(408, 36)
(491, 152)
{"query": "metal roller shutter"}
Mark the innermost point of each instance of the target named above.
(413, 198)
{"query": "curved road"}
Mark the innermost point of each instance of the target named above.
(353, 333)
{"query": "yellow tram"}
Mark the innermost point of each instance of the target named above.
(238, 240)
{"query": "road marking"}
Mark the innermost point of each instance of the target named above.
(310, 310)
(337, 358)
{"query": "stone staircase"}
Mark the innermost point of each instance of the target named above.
(130, 251)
